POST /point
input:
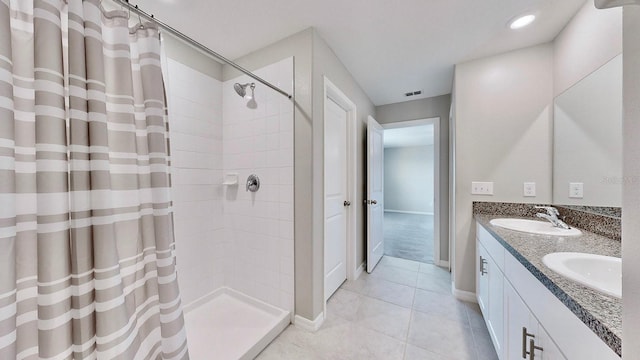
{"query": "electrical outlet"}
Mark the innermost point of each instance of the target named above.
(481, 188)
(576, 190)
(529, 189)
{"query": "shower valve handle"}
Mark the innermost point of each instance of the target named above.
(253, 183)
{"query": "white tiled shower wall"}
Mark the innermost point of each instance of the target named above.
(260, 225)
(226, 236)
(195, 122)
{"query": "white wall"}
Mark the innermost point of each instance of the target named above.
(259, 225)
(195, 122)
(631, 190)
(503, 134)
(408, 179)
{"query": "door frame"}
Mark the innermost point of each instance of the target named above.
(331, 91)
(435, 121)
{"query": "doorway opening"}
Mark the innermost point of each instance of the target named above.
(411, 182)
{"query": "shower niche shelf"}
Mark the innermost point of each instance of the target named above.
(230, 179)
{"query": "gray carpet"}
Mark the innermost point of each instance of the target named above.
(409, 236)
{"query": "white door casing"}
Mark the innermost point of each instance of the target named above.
(375, 193)
(333, 97)
(335, 168)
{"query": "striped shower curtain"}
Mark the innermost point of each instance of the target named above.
(87, 265)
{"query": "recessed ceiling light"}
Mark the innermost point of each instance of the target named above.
(522, 21)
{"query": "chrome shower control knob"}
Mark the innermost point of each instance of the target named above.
(253, 183)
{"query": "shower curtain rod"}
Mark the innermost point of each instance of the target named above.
(199, 46)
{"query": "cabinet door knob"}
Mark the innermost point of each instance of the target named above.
(347, 203)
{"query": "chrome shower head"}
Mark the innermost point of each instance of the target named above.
(241, 89)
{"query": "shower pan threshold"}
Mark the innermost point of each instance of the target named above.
(229, 325)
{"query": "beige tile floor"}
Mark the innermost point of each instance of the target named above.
(403, 310)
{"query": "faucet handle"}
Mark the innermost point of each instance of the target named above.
(550, 210)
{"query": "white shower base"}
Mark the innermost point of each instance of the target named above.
(229, 325)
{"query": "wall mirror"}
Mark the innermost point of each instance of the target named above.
(587, 140)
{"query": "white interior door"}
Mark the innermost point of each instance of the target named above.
(335, 201)
(375, 193)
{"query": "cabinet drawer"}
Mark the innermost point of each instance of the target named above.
(494, 248)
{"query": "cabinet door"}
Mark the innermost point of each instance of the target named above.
(518, 324)
(550, 350)
(482, 279)
(521, 328)
(490, 293)
(496, 305)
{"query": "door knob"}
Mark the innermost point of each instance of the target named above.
(370, 202)
(347, 203)
(374, 202)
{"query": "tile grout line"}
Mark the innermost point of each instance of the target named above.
(406, 337)
(413, 301)
(473, 333)
(365, 295)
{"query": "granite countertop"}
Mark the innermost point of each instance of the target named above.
(601, 313)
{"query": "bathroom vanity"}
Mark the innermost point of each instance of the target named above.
(532, 312)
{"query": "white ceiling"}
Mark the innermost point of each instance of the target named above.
(421, 135)
(390, 47)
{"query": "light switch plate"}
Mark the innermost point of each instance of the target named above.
(529, 189)
(481, 188)
(576, 190)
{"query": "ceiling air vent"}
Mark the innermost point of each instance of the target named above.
(413, 93)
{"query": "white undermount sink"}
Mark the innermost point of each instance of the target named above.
(598, 272)
(534, 227)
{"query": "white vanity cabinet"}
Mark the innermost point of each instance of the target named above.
(490, 290)
(512, 300)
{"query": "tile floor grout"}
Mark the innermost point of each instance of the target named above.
(406, 338)
(354, 304)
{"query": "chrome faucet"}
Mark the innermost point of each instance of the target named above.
(552, 217)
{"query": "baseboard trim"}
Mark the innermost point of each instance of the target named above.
(408, 212)
(308, 325)
(359, 271)
(463, 295)
(443, 263)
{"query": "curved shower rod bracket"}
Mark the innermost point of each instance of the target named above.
(199, 46)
